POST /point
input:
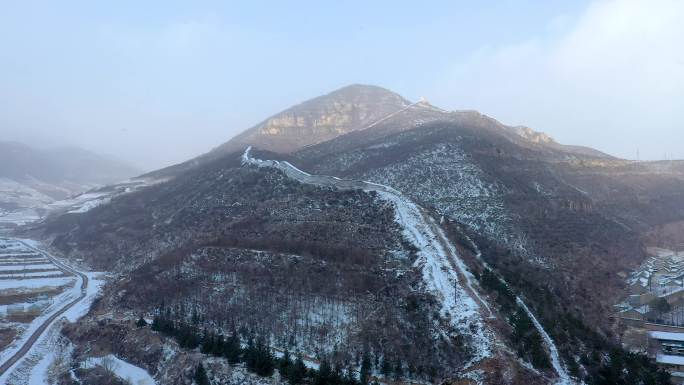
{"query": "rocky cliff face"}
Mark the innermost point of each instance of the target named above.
(532, 135)
(317, 120)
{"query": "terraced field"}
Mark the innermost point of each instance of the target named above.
(30, 286)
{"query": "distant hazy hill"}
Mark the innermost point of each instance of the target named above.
(30, 178)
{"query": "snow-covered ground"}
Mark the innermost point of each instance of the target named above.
(33, 370)
(32, 274)
(20, 217)
(35, 283)
(26, 268)
(436, 254)
(439, 276)
(87, 201)
(20, 194)
(444, 274)
(22, 372)
(29, 205)
(563, 376)
(122, 369)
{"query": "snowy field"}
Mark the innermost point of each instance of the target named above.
(122, 369)
(31, 286)
(31, 206)
(22, 268)
(31, 303)
(85, 202)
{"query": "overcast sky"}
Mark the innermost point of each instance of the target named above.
(156, 83)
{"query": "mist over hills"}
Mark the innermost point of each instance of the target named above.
(31, 179)
(60, 165)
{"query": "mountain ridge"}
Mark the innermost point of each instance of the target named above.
(229, 243)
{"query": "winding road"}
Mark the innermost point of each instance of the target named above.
(28, 344)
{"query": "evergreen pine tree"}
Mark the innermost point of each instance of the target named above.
(217, 349)
(385, 367)
(249, 355)
(324, 374)
(207, 342)
(195, 317)
(231, 349)
(285, 364)
(297, 371)
(201, 376)
(141, 322)
(411, 371)
(398, 369)
(349, 377)
(365, 370)
(264, 363)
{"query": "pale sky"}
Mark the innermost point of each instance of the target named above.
(158, 82)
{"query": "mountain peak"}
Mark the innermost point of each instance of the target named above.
(367, 90)
(344, 110)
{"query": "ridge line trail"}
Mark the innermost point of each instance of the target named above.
(323, 180)
(40, 330)
(458, 265)
(444, 275)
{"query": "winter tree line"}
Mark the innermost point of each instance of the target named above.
(305, 304)
(242, 347)
(615, 366)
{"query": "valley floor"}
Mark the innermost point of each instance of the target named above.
(38, 292)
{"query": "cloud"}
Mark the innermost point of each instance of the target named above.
(613, 78)
(633, 45)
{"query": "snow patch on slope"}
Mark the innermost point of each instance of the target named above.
(435, 255)
(445, 174)
(126, 371)
(439, 276)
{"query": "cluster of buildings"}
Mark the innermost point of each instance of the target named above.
(668, 349)
(660, 278)
(652, 316)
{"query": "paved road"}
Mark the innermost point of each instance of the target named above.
(48, 322)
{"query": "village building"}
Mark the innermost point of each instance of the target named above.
(668, 350)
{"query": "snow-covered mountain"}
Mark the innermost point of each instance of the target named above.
(30, 178)
(476, 252)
